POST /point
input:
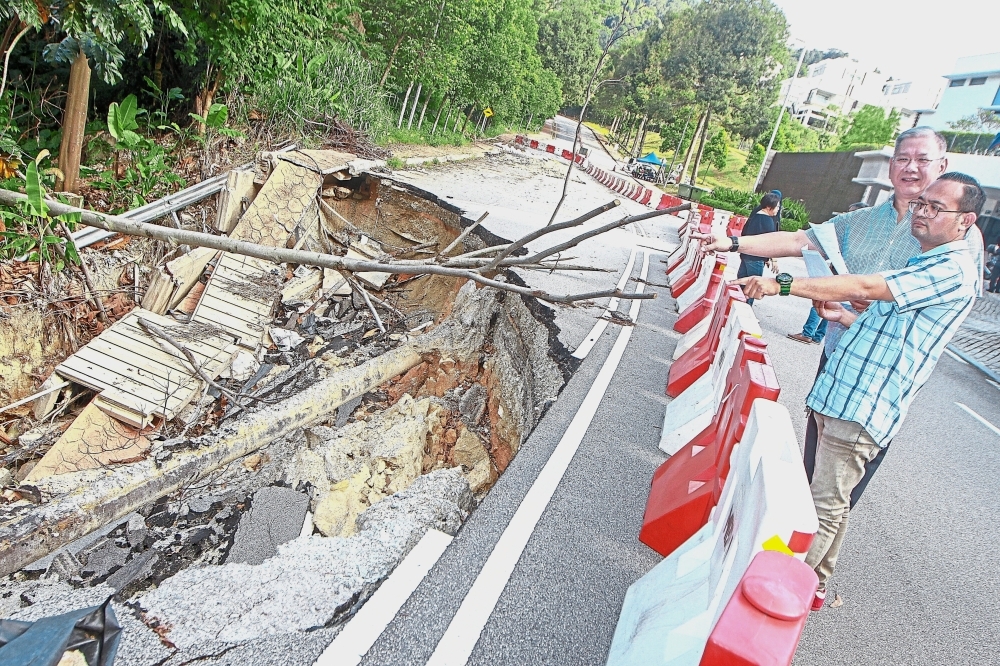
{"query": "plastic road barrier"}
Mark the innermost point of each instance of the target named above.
(686, 487)
(764, 619)
(692, 412)
(710, 266)
(699, 310)
(696, 361)
(670, 612)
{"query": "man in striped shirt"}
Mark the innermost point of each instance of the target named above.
(886, 353)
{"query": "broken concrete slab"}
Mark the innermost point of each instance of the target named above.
(94, 440)
(34, 600)
(275, 517)
(285, 203)
(313, 581)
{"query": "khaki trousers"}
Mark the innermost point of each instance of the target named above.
(843, 448)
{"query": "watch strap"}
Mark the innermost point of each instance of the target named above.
(734, 243)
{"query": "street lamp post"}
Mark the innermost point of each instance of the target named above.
(781, 112)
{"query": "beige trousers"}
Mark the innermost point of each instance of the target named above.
(842, 449)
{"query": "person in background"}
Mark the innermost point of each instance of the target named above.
(994, 265)
(815, 327)
(761, 222)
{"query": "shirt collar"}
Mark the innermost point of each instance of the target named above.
(959, 245)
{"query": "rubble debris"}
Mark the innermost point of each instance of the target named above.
(313, 581)
(275, 517)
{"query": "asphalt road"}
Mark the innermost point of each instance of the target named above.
(917, 577)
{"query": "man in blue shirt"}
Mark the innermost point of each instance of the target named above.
(871, 240)
(887, 352)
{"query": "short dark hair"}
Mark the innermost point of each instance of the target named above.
(769, 200)
(973, 198)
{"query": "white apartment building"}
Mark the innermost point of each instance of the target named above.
(839, 86)
(973, 85)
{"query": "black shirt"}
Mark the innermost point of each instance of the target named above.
(759, 223)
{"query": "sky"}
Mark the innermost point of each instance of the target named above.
(902, 39)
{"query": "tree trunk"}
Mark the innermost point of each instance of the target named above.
(402, 111)
(457, 116)
(701, 148)
(74, 123)
(640, 133)
(413, 109)
(438, 117)
(687, 155)
(388, 65)
(468, 117)
(531, 116)
(423, 110)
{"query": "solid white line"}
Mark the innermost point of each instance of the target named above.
(463, 633)
(358, 635)
(596, 332)
(956, 356)
(979, 418)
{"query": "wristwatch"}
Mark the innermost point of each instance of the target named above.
(784, 281)
(735, 243)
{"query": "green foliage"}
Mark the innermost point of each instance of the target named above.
(794, 210)
(122, 123)
(754, 160)
(967, 142)
(32, 231)
(870, 127)
(395, 163)
(146, 174)
(738, 198)
(721, 204)
(569, 43)
(716, 150)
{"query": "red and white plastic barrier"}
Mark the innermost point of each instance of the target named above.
(670, 613)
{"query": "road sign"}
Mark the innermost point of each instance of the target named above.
(488, 112)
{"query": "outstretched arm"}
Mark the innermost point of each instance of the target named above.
(834, 288)
(772, 245)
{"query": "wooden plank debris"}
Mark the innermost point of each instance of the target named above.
(158, 293)
(186, 271)
(239, 298)
(138, 374)
(239, 186)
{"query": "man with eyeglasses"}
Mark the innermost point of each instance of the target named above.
(886, 353)
(871, 240)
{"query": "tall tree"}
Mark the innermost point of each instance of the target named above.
(569, 43)
(871, 126)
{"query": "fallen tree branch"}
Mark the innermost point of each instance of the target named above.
(465, 232)
(538, 233)
(121, 225)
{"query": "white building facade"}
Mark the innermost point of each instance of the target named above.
(974, 85)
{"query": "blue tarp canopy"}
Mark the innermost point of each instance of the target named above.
(650, 159)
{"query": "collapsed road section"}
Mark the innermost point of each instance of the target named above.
(253, 448)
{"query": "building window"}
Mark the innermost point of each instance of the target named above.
(956, 83)
(977, 81)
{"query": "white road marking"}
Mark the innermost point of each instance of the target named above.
(358, 635)
(993, 384)
(598, 330)
(955, 356)
(463, 633)
(979, 418)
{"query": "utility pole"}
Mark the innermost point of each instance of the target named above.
(781, 112)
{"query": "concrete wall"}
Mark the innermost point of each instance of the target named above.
(821, 180)
(964, 100)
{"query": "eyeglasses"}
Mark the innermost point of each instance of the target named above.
(921, 162)
(929, 210)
